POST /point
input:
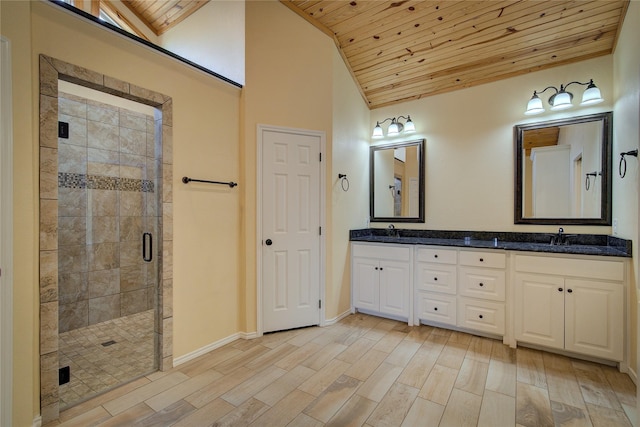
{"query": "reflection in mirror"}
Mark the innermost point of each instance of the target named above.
(397, 182)
(563, 171)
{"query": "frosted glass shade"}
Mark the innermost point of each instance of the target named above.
(561, 101)
(591, 96)
(394, 129)
(377, 131)
(534, 106)
(409, 127)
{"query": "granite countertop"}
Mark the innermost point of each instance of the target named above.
(580, 244)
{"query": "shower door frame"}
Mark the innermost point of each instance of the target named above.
(52, 70)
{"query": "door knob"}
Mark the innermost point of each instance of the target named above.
(268, 242)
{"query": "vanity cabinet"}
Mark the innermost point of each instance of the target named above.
(381, 279)
(461, 288)
(571, 304)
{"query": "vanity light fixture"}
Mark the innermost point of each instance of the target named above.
(395, 128)
(561, 99)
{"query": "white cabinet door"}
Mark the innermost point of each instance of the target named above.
(366, 287)
(594, 318)
(539, 309)
(394, 288)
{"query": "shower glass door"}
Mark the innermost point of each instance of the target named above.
(108, 209)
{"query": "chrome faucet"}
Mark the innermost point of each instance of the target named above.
(391, 231)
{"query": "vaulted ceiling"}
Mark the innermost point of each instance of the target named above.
(403, 50)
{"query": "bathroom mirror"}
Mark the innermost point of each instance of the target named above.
(563, 171)
(397, 182)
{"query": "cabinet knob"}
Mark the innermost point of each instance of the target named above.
(435, 308)
(480, 316)
(435, 256)
(481, 259)
(569, 290)
(559, 289)
(435, 279)
(381, 268)
(376, 268)
(481, 284)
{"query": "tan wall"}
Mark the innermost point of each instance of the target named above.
(15, 26)
(289, 84)
(206, 218)
(350, 156)
(626, 136)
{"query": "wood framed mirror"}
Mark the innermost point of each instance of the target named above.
(396, 189)
(563, 171)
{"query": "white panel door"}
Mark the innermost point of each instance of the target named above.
(540, 309)
(290, 230)
(594, 318)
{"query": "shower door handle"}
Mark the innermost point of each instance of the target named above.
(147, 247)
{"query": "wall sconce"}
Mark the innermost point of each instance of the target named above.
(561, 99)
(395, 128)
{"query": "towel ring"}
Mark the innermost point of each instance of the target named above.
(587, 182)
(344, 182)
(622, 166)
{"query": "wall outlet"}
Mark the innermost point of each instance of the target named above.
(615, 226)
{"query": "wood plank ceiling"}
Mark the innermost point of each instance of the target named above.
(403, 50)
(161, 15)
(407, 49)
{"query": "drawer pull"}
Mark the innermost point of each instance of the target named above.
(481, 259)
(569, 290)
(435, 279)
(435, 308)
(560, 289)
(480, 316)
(481, 284)
(435, 256)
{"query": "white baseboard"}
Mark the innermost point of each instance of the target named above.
(633, 375)
(214, 345)
(329, 322)
(248, 335)
(37, 421)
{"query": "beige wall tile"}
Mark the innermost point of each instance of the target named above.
(48, 276)
(49, 121)
(48, 225)
(49, 321)
(48, 77)
(48, 173)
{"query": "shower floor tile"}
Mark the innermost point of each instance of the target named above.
(97, 365)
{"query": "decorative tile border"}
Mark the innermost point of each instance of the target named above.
(98, 182)
(52, 70)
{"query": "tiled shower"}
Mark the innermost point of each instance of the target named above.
(107, 228)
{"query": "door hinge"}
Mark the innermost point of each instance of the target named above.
(319, 303)
(320, 156)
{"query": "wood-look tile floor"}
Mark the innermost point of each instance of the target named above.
(368, 371)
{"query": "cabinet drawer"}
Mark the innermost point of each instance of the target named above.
(436, 278)
(437, 255)
(588, 268)
(436, 307)
(483, 259)
(484, 316)
(386, 251)
(482, 283)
